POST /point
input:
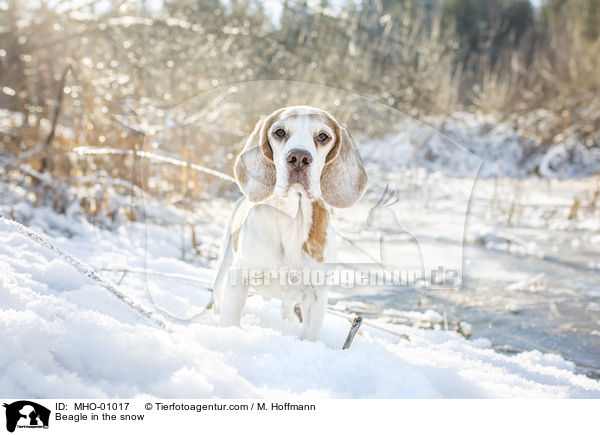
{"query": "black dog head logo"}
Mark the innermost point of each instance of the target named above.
(30, 411)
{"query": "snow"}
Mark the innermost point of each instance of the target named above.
(456, 145)
(427, 316)
(536, 283)
(506, 243)
(65, 335)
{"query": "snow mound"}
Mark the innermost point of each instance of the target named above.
(456, 146)
(506, 243)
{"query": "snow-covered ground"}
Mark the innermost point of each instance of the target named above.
(65, 336)
(528, 299)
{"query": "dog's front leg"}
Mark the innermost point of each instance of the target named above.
(313, 311)
(234, 298)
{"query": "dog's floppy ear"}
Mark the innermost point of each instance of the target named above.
(344, 179)
(254, 168)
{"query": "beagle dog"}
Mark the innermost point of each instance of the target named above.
(297, 163)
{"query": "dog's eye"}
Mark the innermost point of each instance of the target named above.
(322, 137)
(280, 132)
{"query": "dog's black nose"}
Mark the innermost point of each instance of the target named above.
(299, 159)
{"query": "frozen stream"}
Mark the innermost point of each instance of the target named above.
(531, 274)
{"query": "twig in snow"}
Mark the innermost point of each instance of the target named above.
(335, 312)
(155, 157)
(43, 178)
(353, 330)
(82, 268)
(163, 274)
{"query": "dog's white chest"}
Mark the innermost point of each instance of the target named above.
(273, 254)
(290, 221)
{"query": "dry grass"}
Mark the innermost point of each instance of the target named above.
(78, 84)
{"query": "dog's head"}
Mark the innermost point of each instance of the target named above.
(302, 149)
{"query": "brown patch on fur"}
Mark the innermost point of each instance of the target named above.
(317, 236)
(255, 162)
(343, 179)
(335, 149)
(318, 117)
(333, 125)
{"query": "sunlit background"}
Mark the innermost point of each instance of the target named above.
(482, 116)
